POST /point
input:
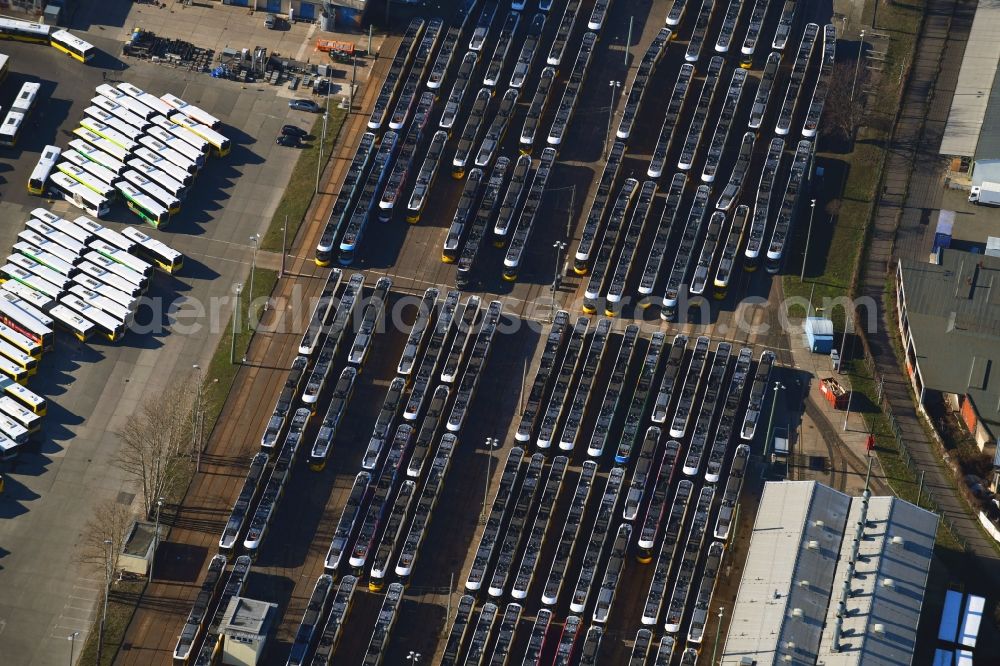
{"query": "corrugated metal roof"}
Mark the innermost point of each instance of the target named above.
(953, 311)
(975, 91)
(783, 572)
(886, 586)
(789, 591)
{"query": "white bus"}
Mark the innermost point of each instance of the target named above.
(148, 186)
(22, 341)
(33, 302)
(99, 172)
(152, 101)
(13, 430)
(11, 128)
(92, 284)
(178, 144)
(120, 112)
(101, 143)
(13, 271)
(31, 266)
(108, 132)
(107, 277)
(131, 104)
(113, 121)
(164, 165)
(85, 178)
(110, 326)
(167, 258)
(80, 196)
(26, 295)
(143, 205)
(183, 133)
(106, 234)
(97, 156)
(159, 177)
(167, 153)
(72, 321)
(122, 257)
(121, 270)
(116, 310)
(51, 233)
(62, 225)
(10, 407)
(40, 174)
(45, 258)
(26, 97)
(221, 145)
(25, 397)
(191, 111)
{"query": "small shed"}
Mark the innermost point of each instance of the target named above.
(819, 334)
(138, 549)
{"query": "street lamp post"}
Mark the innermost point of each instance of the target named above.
(255, 239)
(718, 631)
(805, 256)
(413, 657)
(156, 539)
(196, 427)
(284, 243)
(614, 86)
(72, 645)
(319, 158)
(107, 590)
(559, 247)
(770, 422)
(857, 65)
(491, 444)
(236, 323)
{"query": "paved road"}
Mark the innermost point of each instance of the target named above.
(913, 181)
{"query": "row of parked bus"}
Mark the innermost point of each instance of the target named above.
(134, 145)
(39, 33)
(72, 274)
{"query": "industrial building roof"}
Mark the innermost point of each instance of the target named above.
(974, 119)
(783, 573)
(953, 310)
(885, 587)
(800, 549)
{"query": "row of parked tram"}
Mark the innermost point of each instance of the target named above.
(699, 118)
(668, 498)
(384, 522)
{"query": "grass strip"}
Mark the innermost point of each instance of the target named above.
(298, 195)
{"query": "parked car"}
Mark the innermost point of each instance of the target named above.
(305, 105)
(271, 21)
(294, 130)
(287, 140)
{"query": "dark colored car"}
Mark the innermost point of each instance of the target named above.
(293, 130)
(305, 105)
(287, 140)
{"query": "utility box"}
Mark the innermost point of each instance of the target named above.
(819, 334)
(833, 392)
(138, 550)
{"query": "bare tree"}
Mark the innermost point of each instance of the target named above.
(154, 442)
(104, 537)
(842, 113)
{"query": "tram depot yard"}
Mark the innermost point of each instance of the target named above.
(487, 484)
